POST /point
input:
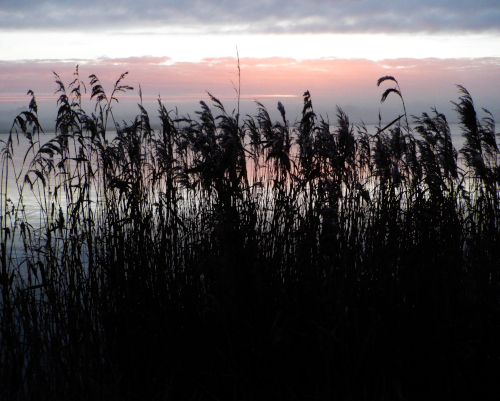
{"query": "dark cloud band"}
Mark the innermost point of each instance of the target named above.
(243, 16)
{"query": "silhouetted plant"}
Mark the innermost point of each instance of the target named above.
(221, 257)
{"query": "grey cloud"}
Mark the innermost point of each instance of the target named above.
(271, 16)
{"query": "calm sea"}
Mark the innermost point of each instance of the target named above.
(32, 203)
(19, 166)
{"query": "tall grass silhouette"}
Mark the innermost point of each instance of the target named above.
(222, 257)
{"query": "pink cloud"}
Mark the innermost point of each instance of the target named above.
(351, 84)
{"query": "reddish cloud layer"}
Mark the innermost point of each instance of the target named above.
(351, 84)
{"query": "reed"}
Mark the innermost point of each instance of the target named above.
(222, 257)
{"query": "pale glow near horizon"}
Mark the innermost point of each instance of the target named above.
(192, 47)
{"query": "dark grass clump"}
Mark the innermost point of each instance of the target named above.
(227, 258)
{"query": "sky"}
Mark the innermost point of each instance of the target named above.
(180, 50)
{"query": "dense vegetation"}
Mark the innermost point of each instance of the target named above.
(223, 257)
